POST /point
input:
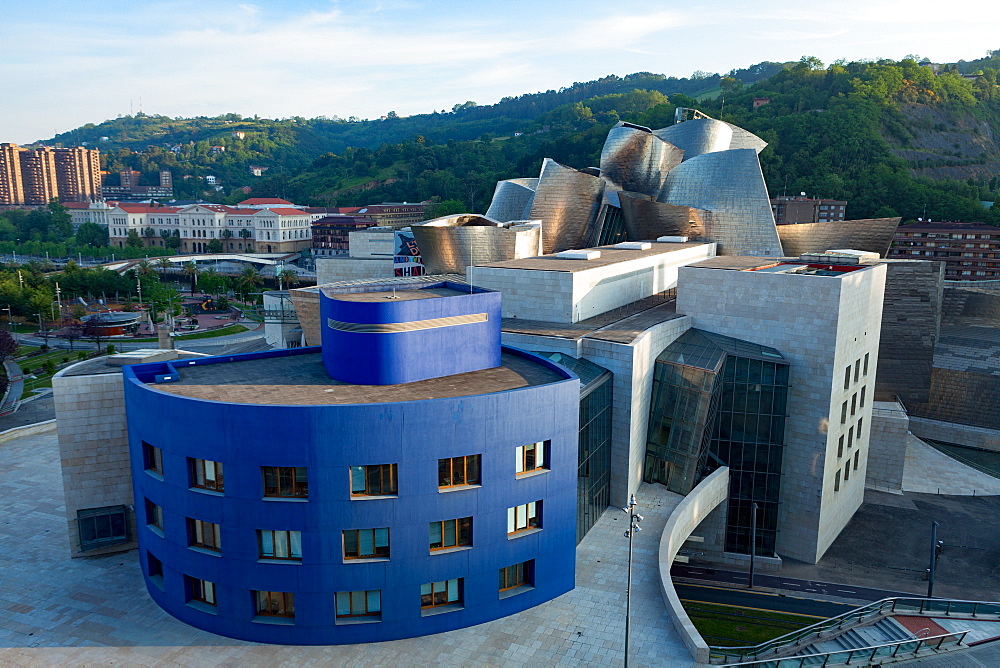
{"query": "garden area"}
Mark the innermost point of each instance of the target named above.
(731, 626)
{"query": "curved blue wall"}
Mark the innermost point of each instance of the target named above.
(328, 439)
(408, 356)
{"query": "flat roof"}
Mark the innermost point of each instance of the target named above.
(609, 255)
(301, 379)
(401, 295)
(622, 325)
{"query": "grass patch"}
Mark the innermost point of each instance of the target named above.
(225, 331)
(731, 626)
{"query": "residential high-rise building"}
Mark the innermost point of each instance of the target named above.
(38, 172)
(970, 251)
(78, 174)
(36, 176)
(11, 185)
(794, 210)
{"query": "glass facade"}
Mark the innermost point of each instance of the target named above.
(610, 230)
(719, 401)
(594, 473)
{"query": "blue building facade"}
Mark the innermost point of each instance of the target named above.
(332, 523)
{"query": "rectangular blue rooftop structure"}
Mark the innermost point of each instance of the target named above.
(392, 337)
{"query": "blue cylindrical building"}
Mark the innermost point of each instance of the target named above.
(276, 504)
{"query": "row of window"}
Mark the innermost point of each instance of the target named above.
(850, 438)
(858, 372)
(847, 471)
(853, 405)
(371, 480)
(357, 543)
(350, 605)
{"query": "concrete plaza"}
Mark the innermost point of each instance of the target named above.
(55, 610)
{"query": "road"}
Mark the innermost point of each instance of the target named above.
(125, 345)
(791, 585)
(761, 600)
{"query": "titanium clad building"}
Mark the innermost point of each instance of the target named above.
(279, 502)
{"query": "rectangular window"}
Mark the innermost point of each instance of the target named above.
(517, 575)
(154, 567)
(451, 533)
(286, 481)
(437, 594)
(279, 545)
(857, 370)
(854, 404)
(376, 480)
(840, 446)
(859, 429)
(202, 591)
(101, 527)
(843, 413)
(274, 603)
(366, 544)
(458, 471)
(836, 482)
(863, 396)
(866, 364)
(359, 604)
(850, 438)
(531, 457)
(154, 515)
(847, 472)
(152, 458)
(205, 474)
(857, 456)
(524, 517)
(847, 377)
(204, 534)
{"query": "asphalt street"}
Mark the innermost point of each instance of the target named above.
(761, 600)
(791, 585)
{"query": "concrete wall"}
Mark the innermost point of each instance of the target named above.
(686, 517)
(887, 447)
(572, 296)
(93, 448)
(951, 432)
(328, 440)
(820, 324)
(332, 269)
(369, 244)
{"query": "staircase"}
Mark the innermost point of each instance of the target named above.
(882, 632)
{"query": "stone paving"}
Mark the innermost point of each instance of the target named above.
(932, 472)
(60, 611)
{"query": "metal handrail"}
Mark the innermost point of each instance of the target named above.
(857, 653)
(947, 607)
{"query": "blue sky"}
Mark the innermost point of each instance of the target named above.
(84, 61)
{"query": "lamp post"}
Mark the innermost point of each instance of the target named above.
(753, 541)
(10, 318)
(633, 527)
(934, 557)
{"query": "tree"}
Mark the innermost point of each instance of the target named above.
(144, 268)
(163, 264)
(248, 279)
(287, 278)
(191, 271)
(92, 234)
(61, 222)
(95, 328)
(132, 239)
(227, 234)
(214, 246)
(174, 242)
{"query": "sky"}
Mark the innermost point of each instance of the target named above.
(64, 63)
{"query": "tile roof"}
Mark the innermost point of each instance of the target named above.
(263, 200)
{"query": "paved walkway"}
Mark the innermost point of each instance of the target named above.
(984, 656)
(60, 611)
(932, 472)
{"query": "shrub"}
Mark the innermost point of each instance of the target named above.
(65, 360)
(50, 367)
(110, 349)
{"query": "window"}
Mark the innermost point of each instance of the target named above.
(204, 534)
(863, 396)
(437, 594)
(274, 603)
(360, 604)
(866, 364)
(517, 575)
(840, 446)
(154, 568)
(859, 429)
(847, 377)
(205, 474)
(850, 438)
(857, 456)
(279, 545)
(847, 471)
(836, 482)
(843, 413)
(377, 480)
(286, 481)
(458, 471)
(366, 544)
(531, 457)
(451, 533)
(857, 369)
(524, 517)
(202, 591)
(154, 515)
(101, 527)
(152, 458)
(854, 403)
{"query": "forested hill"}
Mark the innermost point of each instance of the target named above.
(893, 138)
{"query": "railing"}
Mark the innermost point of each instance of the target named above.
(888, 606)
(865, 656)
(941, 447)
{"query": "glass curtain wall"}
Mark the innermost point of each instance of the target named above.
(594, 463)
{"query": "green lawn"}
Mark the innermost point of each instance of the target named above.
(225, 331)
(730, 626)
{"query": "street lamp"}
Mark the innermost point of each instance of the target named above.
(633, 527)
(10, 318)
(753, 541)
